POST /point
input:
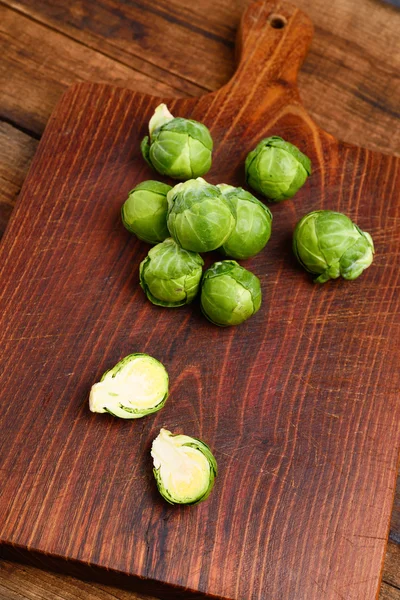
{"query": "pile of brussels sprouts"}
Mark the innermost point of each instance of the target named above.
(195, 217)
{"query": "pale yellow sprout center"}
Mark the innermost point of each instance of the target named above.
(140, 384)
(184, 470)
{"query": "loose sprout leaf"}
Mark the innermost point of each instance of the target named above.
(145, 149)
(160, 117)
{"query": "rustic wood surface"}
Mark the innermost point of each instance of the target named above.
(348, 90)
(23, 582)
(349, 82)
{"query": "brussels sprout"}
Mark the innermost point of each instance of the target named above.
(328, 244)
(137, 386)
(230, 294)
(277, 169)
(180, 148)
(253, 224)
(184, 468)
(144, 213)
(199, 218)
(169, 275)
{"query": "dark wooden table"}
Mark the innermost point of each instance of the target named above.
(350, 84)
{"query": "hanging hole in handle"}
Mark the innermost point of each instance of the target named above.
(277, 21)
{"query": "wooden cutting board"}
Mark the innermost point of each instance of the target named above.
(300, 403)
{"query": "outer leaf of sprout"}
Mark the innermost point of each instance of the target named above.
(160, 117)
(253, 224)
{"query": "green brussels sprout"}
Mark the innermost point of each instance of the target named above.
(169, 275)
(199, 217)
(180, 148)
(277, 169)
(184, 468)
(253, 224)
(230, 294)
(144, 213)
(137, 386)
(328, 244)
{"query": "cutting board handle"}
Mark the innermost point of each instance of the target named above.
(273, 40)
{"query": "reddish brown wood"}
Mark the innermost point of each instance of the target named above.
(299, 404)
(24, 582)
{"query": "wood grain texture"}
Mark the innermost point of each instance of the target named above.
(395, 521)
(42, 585)
(43, 63)
(23, 582)
(350, 81)
(305, 429)
(391, 571)
(334, 24)
(389, 592)
(16, 152)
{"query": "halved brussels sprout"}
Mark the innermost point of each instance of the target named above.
(230, 294)
(180, 148)
(329, 245)
(144, 213)
(184, 468)
(253, 224)
(169, 275)
(137, 386)
(277, 169)
(199, 218)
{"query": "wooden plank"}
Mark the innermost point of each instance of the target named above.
(395, 522)
(391, 570)
(389, 592)
(38, 64)
(306, 474)
(351, 76)
(141, 30)
(16, 152)
(23, 582)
